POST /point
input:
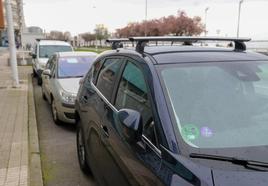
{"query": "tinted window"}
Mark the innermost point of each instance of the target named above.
(132, 94)
(96, 69)
(45, 51)
(69, 67)
(107, 76)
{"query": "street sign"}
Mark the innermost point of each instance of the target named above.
(2, 22)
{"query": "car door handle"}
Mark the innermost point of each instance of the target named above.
(105, 131)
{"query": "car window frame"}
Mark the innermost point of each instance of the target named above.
(148, 142)
(160, 134)
(117, 78)
(54, 69)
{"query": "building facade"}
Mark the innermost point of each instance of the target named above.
(18, 19)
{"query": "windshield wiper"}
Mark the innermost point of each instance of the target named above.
(72, 77)
(249, 164)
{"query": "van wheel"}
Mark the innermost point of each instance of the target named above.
(34, 73)
(81, 150)
(39, 81)
(43, 94)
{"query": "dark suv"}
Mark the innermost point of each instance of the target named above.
(175, 115)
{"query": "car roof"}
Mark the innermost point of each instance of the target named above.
(76, 54)
(184, 54)
(53, 42)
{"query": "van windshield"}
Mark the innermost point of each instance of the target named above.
(46, 51)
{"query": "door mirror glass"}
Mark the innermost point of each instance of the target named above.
(132, 124)
(81, 81)
(47, 72)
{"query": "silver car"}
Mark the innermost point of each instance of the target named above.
(61, 78)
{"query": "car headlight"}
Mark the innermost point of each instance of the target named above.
(67, 97)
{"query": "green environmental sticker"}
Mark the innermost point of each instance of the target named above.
(190, 132)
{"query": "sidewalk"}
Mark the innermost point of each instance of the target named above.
(14, 121)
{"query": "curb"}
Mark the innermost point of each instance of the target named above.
(35, 172)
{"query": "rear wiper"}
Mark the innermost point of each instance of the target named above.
(249, 164)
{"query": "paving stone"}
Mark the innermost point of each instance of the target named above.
(14, 128)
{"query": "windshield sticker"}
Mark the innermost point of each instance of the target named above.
(72, 60)
(206, 132)
(190, 132)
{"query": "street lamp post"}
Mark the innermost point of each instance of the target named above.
(206, 13)
(11, 43)
(146, 12)
(96, 39)
(239, 14)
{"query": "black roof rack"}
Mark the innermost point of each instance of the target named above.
(117, 43)
(45, 39)
(142, 41)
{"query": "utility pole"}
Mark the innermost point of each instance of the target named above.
(146, 12)
(239, 13)
(11, 43)
(206, 14)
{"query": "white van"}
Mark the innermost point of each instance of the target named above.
(43, 50)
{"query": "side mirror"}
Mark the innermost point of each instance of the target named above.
(47, 72)
(81, 81)
(131, 124)
(33, 55)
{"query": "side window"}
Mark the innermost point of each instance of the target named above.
(48, 63)
(53, 66)
(133, 94)
(35, 49)
(107, 75)
(96, 68)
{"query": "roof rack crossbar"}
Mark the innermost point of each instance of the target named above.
(117, 43)
(239, 42)
(46, 39)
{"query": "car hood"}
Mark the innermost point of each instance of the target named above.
(245, 178)
(43, 60)
(214, 176)
(70, 85)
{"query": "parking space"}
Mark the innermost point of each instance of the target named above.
(58, 148)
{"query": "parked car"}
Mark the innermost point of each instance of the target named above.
(61, 79)
(43, 50)
(175, 115)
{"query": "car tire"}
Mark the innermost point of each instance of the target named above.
(43, 94)
(34, 73)
(81, 150)
(54, 112)
(39, 81)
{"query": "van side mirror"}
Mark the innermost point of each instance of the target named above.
(132, 125)
(33, 55)
(47, 72)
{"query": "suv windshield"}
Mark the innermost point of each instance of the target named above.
(46, 51)
(69, 67)
(219, 105)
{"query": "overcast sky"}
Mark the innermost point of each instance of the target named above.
(78, 16)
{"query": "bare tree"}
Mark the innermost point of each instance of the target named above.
(101, 32)
(58, 35)
(88, 37)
